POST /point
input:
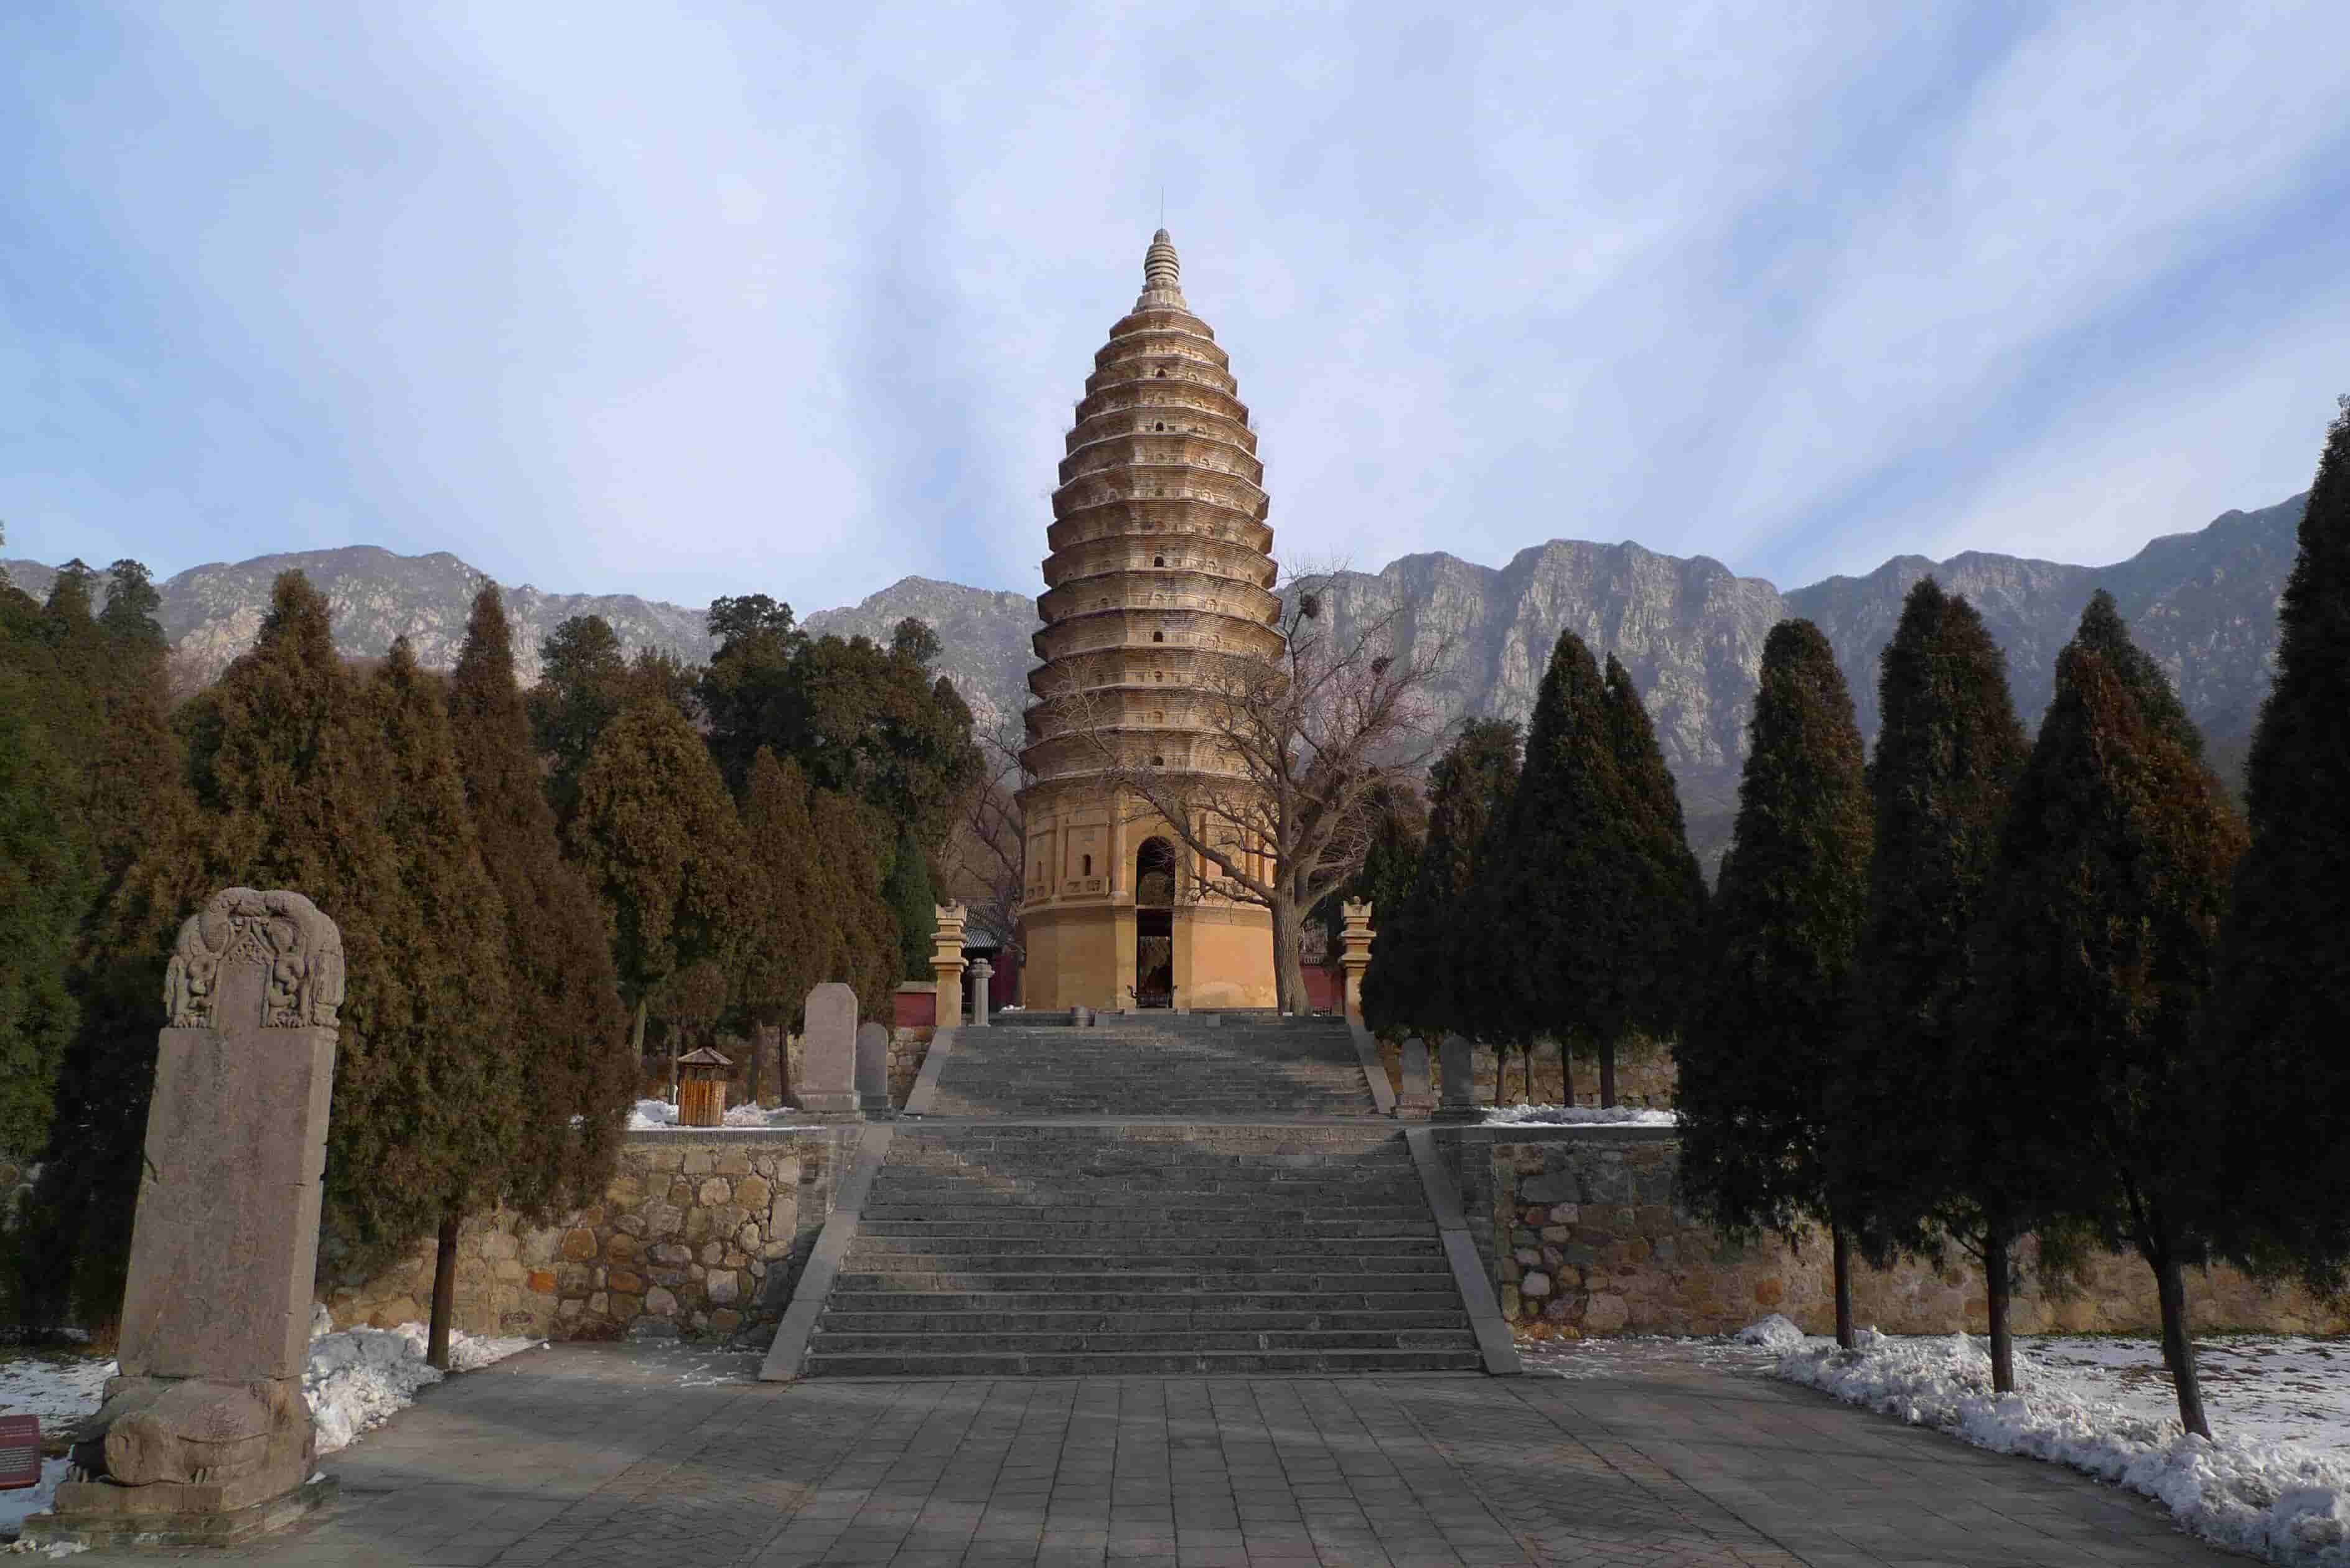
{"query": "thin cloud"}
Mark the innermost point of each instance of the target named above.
(692, 301)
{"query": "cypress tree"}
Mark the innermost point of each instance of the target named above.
(2286, 997)
(2088, 1051)
(462, 1103)
(657, 837)
(45, 877)
(583, 684)
(864, 952)
(1659, 897)
(1910, 1158)
(1759, 1051)
(146, 862)
(567, 1018)
(1390, 864)
(913, 904)
(1413, 986)
(791, 931)
(1546, 874)
(350, 794)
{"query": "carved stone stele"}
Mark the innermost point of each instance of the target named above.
(205, 1436)
(828, 1082)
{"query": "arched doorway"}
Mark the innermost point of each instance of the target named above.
(1154, 924)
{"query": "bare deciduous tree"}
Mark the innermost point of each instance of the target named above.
(985, 851)
(1276, 800)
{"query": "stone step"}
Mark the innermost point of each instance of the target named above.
(960, 1342)
(1081, 1281)
(1125, 1246)
(1236, 1231)
(913, 1320)
(1426, 1297)
(1185, 1222)
(1143, 1364)
(980, 1260)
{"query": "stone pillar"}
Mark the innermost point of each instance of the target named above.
(946, 963)
(828, 1051)
(873, 1069)
(982, 971)
(1460, 1103)
(205, 1436)
(1417, 1099)
(1354, 951)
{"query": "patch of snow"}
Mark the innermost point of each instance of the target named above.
(57, 1391)
(1773, 1332)
(34, 1499)
(2289, 1502)
(660, 1116)
(1565, 1116)
(360, 1377)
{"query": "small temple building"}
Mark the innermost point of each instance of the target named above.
(1161, 571)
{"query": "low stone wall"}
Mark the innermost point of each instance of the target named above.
(1644, 1074)
(1580, 1232)
(698, 1233)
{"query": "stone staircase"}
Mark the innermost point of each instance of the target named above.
(1142, 1248)
(1155, 1065)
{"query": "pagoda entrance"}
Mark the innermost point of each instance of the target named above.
(1154, 924)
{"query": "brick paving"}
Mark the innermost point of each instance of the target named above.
(598, 1454)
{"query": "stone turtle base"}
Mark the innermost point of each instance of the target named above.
(101, 1531)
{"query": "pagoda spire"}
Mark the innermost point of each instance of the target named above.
(1162, 276)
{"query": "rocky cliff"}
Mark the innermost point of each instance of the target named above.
(1690, 631)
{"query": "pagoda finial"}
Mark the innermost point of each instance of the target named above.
(1162, 274)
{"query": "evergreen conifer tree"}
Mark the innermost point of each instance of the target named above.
(1659, 899)
(569, 1024)
(1412, 986)
(1760, 1050)
(2086, 1051)
(913, 904)
(350, 794)
(141, 830)
(1910, 1158)
(659, 840)
(1536, 949)
(463, 1102)
(865, 953)
(792, 931)
(2286, 994)
(1390, 864)
(45, 882)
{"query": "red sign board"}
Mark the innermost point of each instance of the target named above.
(20, 1451)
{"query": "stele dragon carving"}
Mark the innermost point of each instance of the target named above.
(283, 933)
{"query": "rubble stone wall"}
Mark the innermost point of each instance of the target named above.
(698, 1233)
(1580, 1232)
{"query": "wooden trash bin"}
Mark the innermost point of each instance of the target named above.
(701, 1088)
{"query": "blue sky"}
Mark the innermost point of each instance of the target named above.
(694, 300)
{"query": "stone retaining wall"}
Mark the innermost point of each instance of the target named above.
(1580, 1232)
(698, 1233)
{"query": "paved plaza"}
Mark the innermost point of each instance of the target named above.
(664, 1455)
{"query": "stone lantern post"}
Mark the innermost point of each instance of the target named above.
(982, 971)
(947, 963)
(1355, 939)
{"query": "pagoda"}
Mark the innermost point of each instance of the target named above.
(1160, 574)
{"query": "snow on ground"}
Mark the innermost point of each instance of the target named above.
(356, 1379)
(2289, 1501)
(2276, 1482)
(660, 1116)
(1545, 1116)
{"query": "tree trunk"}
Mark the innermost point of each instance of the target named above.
(1608, 1071)
(445, 1293)
(1843, 1247)
(1288, 959)
(2179, 1345)
(1565, 1071)
(1995, 1283)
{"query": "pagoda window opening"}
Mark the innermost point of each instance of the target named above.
(1158, 560)
(1157, 637)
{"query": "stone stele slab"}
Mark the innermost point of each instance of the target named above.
(873, 1068)
(829, 1056)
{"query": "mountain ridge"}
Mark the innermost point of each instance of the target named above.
(1689, 630)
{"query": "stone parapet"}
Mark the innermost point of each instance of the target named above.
(1580, 1229)
(698, 1233)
